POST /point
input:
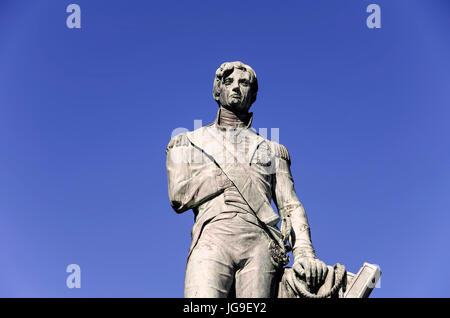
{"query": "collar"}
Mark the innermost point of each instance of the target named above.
(232, 120)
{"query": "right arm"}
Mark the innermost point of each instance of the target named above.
(191, 181)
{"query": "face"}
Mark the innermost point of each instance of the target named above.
(235, 92)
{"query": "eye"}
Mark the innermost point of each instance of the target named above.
(244, 83)
(228, 82)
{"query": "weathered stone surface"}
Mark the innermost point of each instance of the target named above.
(227, 174)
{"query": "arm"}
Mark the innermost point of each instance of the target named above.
(289, 206)
(190, 182)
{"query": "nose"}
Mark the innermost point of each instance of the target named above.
(236, 88)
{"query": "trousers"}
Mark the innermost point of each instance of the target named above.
(231, 258)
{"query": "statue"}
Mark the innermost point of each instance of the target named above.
(228, 175)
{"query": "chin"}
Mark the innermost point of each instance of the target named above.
(232, 105)
(236, 107)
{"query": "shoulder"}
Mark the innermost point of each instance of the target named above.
(277, 149)
(185, 138)
(178, 141)
(280, 151)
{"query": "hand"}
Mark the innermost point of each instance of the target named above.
(312, 269)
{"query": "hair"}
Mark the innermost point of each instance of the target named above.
(226, 69)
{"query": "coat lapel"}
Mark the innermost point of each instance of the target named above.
(212, 143)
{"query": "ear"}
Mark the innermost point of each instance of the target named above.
(217, 95)
(216, 90)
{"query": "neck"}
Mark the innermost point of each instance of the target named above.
(228, 118)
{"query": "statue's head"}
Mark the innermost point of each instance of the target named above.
(235, 86)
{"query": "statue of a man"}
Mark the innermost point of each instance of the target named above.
(228, 175)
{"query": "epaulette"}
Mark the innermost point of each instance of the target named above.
(282, 152)
(177, 141)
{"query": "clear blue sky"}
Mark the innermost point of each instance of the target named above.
(85, 116)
